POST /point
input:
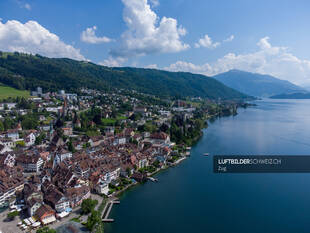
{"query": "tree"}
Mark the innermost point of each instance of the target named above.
(59, 123)
(88, 205)
(29, 122)
(164, 128)
(128, 171)
(1, 126)
(45, 230)
(40, 138)
(8, 123)
(93, 220)
(99, 227)
(97, 119)
(12, 215)
(71, 147)
(23, 103)
(86, 145)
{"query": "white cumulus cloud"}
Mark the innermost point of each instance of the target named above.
(229, 39)
(268, 59)
(113, 62)
(207, 42)
(89, 36)
(31, 37)
(147, 33)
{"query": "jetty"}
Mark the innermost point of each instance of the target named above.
(107, 210)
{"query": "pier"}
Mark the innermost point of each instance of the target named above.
(107, 210)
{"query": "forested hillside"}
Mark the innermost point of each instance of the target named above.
(23, 71)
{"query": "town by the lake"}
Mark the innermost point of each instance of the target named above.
(65, 157)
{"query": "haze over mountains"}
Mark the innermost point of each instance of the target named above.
(257, 84)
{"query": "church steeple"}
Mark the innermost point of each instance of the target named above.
(65, 107)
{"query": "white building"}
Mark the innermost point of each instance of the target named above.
(30, 139)
(102, 188)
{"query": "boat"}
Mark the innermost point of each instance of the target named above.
(153, 179)
(206, 154)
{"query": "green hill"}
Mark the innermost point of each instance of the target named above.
(23, 71)
(6, 92)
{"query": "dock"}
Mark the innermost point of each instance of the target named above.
(107, 210)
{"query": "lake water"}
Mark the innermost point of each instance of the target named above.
(190, 198)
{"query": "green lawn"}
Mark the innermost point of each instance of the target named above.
(108, 121)
(111, 121)
(6, 92)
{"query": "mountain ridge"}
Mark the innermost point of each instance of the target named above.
(292, 96)
(260, 85)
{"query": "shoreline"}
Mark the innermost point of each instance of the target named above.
(177, 162)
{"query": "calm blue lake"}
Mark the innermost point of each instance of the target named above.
(190, 198)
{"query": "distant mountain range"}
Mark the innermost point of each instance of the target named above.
(25, 72)
(257, 84)
(292, 96)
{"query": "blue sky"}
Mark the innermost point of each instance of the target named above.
(200, 36)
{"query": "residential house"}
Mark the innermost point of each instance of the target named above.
(140, 109)
(57, 200)
(77, 194)
(4, 149)
(45, 214)
(112, 173)
(33, 205)
(7, 159)
(30, 163)
(61, 155)
(83, 169)
(11, 181)
(8, 142)
(96, 140)
(139, 177)
(160, 138)
(67, 131)
(143, 162)
(13, 134)
(120, 139)
(30, 139)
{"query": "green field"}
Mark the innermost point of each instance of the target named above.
(6, 92)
